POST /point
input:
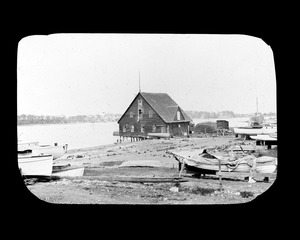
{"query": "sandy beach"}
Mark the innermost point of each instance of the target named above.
(107, 169)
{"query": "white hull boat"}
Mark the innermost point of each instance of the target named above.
(34, 148)
(68, 171)
(56, 151)
(263, 137)
(255, 131)
(36, 165)
(159, 135)
(22, 146)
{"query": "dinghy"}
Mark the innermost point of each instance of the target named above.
(67, 171)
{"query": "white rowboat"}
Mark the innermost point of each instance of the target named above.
(69, 172)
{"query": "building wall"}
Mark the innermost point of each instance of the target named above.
(179, 129)
(146, 121)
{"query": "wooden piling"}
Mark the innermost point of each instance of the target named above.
(220, 177)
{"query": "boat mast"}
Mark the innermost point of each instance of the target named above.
(256, 106)
(139, 82)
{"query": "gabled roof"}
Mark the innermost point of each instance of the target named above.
(163, 105)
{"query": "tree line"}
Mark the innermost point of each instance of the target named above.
(26, 119)
(221, 114)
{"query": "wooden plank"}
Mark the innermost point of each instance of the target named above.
(241, 174)
(153, 180)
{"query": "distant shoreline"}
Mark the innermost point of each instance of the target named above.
(46, 124)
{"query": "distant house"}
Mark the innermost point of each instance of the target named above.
(154, 114)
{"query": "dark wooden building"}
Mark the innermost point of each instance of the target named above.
(154, 114)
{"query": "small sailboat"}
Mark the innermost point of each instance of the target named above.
(256, 126)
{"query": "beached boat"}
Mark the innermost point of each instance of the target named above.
(264, 137)
(56, 150)
(35, 165)
(22, 146)
(255, 131)
(34, 149)
(67, 171)
(159, 135)
(215, 162)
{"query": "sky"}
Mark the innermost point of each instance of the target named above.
(74, 74)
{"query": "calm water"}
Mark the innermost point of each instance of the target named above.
(78, 135)
(82, 135)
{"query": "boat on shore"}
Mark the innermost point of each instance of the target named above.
(35, 149)
(255, 131)
(202, 160)
(40, 165)
(56, 150)
(264, 137)
(67, 171)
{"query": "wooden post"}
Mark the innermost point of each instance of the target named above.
(220, 176)
(181, 169)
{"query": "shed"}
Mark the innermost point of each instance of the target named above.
(222, 124)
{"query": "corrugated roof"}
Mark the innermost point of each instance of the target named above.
(164, 106)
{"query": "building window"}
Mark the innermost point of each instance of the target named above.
(154, 128)
(142, 129)
(150, 113)
(124, 128)
(179, 125)
(178, 115)
(140, 102)
(131, 114)
(132, 128)
(140, 114)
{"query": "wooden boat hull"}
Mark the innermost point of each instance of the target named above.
(35, 165)
(262, 164)
(69, 172)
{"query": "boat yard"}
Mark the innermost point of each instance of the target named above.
(146, 172)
